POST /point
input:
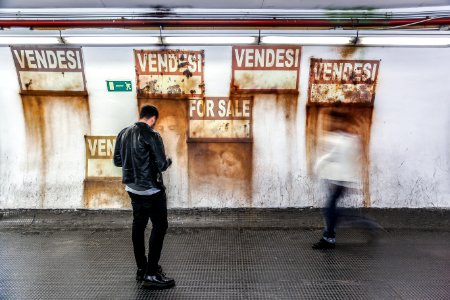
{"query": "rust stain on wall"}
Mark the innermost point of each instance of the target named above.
(223, 169)
(34, 116)
(289, 104)
(105, 194)
(347, 51)
(235, 86)
(48, 132)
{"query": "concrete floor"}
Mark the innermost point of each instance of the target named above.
(227, 263)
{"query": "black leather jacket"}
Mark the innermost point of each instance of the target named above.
(140, 152)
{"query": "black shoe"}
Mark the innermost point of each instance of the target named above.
(160, 271)
(158, 281)
(323, 244)
(140, 274)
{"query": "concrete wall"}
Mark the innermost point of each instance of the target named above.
(409, 150)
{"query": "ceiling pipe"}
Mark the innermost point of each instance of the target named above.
(121, 23)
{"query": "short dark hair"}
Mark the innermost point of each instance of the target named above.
(148, 111)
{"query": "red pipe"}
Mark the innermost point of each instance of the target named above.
(221, 23)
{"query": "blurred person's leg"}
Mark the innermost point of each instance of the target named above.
(372, 227)
(330, 212)
(331, 215)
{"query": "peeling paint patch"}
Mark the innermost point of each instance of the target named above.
(169, 73)
(342, 81)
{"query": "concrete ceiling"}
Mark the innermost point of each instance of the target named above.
(219, 4)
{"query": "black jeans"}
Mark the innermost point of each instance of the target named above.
(331, 212)
(155, 208)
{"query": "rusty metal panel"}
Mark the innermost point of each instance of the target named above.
(220, 174)
(105, 193)
(172, 124)
(169, 73)
(266, 68)
(220, 119)
(54, 130)
(49, 69)
(99, 157)
(342, 81)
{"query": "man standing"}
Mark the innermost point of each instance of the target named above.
(140, 152)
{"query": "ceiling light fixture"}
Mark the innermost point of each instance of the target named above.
(422, 41)
(28, 40)
(209, 40)
(307, 40)
(112, 40)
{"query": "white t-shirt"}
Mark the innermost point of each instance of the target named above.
(132, 188)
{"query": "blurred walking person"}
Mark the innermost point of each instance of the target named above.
(339, 167)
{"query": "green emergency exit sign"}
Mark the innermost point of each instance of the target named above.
(118, 86)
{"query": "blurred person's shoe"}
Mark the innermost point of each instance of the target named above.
(374, 234)
(323, 244)
(158, 281)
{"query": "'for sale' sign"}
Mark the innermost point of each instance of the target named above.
(220, 119)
